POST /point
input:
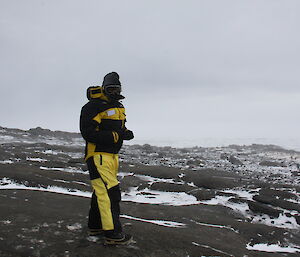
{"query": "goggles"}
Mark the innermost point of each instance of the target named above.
(112, 89)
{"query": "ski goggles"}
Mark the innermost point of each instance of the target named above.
(112, 89)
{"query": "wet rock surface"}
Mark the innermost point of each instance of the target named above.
(177, 202)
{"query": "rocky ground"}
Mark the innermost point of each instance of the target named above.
(218, 201)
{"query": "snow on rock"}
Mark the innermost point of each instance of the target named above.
(35, 159)
(273, 248)
(6, 162)
(6, 183)
(164, 223)
(157, 197)
(69, 169)
(75, 226)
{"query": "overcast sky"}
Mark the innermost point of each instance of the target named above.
(189, 69)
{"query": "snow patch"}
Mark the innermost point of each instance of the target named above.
(157, 197)
(5, 222)
(152, 180)
(6, 183)
(283, 221)
(75, 226)
(70, 169)
(215, 226)
(6, 162)
(272, 248)
(165, 223)
(35, 159)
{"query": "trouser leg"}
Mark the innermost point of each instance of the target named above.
(115, 198)
(94, 221)
(107, 195)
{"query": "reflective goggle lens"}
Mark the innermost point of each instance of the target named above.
(112, 89)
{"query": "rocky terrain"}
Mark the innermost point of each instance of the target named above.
(217, 201)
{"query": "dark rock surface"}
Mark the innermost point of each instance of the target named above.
(234, 160)
(212, 179)
(171, 187)
(224, 215)
(203, 194)
(272, 164)
(263, 209)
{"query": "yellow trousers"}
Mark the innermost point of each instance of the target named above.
(105, 209)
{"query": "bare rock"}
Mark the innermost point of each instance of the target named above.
(237, 200)
(272, 164)
(169, 187)
(132, 181)
(234, 160)
(76, 161)
(196, 163)
(263, 209)
(203, 194)
(212, 179)
(281, 194)
(263, 199)
(224, 156)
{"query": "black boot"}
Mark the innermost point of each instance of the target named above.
(117, 239)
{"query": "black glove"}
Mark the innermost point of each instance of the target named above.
(128, 134)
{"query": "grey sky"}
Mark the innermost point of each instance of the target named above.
(189, 69)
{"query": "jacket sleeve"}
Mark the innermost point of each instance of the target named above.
(88, 126)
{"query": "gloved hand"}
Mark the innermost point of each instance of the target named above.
(128, 134)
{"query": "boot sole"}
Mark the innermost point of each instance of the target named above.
(125, 241)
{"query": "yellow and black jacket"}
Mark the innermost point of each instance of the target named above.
(102, 123)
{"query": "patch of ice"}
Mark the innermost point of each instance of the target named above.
(293, 201)
(191, 184)
(122, 174)
(6, 183)
(215, 226)
(212, 248)
(75, 226)
(242, 193)
(281, 222)
(272, 248)
(93, 239)
(35, 159)
(6, 162)
(152, 180)
(80, 183)
(224, 200)
(157, 197)
(50, 151)
(5, 139)
(6, 222)
(60, 180)
(70, 169)
(145, 196)
(164, 223)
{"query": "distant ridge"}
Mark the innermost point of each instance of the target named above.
(39, 131)
(43, 132)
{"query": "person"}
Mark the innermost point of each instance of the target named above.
(102, 125)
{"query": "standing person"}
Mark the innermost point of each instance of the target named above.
(102, 125)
